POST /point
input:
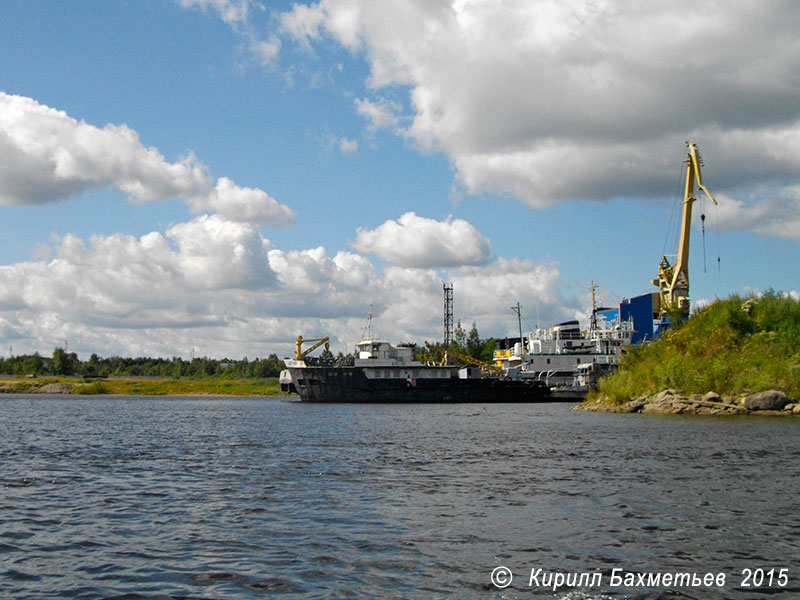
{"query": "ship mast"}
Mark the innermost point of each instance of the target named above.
(367, 333)
(518, 309)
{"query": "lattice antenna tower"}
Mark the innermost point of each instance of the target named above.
(448, 314)
(367, 334)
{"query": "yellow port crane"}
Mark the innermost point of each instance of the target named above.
(484, 366)
(673, 279)
(303, 353)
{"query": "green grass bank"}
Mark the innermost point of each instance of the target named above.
(733, 347)
(211, 386)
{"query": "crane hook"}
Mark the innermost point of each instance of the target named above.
(703, 229)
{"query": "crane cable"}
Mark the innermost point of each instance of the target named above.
(716, 223)
(672, 227)
(703, 229)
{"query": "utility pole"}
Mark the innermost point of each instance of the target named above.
(448, 314)
(518, 309)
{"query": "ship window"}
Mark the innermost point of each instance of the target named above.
(548, 361)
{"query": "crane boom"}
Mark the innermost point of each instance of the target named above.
(673, 280)
(303, 353)
(484, 366)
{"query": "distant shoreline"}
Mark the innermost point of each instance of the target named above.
(133, 386)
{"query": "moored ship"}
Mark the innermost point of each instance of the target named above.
(381, 372)
(565, 355)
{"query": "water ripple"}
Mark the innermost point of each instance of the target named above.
(238, 498)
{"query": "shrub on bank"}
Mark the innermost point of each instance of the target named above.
(93, 388)
(735, 346)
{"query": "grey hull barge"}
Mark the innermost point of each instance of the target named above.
(382, 373)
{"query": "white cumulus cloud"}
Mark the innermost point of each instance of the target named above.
(777, 214)
(218, 288)
(50, 156)
(237, 203)
(232, 12)
(418, 242)
(215, 253)
(47, 156)
(581, 99)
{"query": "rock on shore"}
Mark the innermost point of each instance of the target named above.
(56, 388)
(672, 402)
(35, 386)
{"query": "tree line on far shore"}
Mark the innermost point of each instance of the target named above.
(65, 363)
(68, 364)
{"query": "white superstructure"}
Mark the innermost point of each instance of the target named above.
(556, 355)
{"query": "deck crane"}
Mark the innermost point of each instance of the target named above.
(484, 366)
(300, 354)
(673, 279)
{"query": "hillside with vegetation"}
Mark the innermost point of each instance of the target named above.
(733, 347)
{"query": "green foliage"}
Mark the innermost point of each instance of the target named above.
(68, 364)
(487, 350)
(460, 337)
(474, 343)
(93, 388)
(734, 346)
(64, 363)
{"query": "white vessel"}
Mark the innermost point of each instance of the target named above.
(565, 355)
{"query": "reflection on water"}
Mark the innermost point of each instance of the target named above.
(237, 498)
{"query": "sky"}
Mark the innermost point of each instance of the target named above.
(216, 177)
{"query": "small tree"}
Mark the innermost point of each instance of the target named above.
(487, 350)
(64, 363)
(33, 365)
(474, 344)
(460, 336)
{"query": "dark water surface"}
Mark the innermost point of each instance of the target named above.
(135, 497)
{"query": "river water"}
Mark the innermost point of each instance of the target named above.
(134, 497)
